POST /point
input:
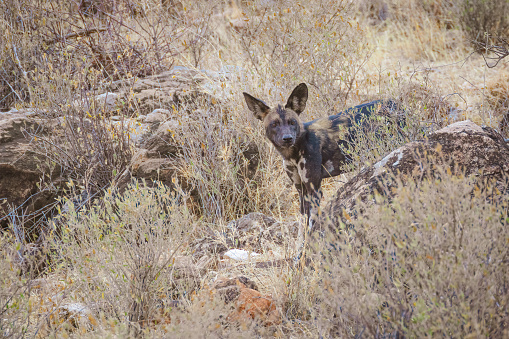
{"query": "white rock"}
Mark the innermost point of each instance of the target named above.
(240, 255)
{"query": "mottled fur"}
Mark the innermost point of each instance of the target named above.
(312, 150)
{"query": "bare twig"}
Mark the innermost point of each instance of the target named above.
(82, 33)
(499, 48)
(20, 66)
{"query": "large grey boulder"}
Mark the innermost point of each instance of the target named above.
(467, 148)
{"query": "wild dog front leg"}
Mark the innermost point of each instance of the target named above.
(309, 204)
(302, 193)
(311, 177)
(312, 202)
(294, 175)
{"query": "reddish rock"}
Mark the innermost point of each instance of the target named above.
(252, 305)
(248, 303)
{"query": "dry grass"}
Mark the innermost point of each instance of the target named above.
(428, 252)
(426, 267)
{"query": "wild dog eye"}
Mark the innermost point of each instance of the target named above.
(275, 123)
(292, 122)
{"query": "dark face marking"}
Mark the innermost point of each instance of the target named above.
(282, 124)
(283, 127)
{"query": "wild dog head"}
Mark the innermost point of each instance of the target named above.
(282, 124)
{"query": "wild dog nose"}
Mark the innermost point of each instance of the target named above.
(287, 138)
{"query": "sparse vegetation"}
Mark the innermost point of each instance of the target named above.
(481, 18)
(111, 256)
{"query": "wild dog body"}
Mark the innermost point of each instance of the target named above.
(311, 151)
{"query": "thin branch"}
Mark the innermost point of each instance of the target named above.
(82, 33)
(500, 48)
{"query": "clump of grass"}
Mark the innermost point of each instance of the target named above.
(314, 42)
(431, 262)
(120, 253)
(497, 97)
(15, 291)
(479, 17)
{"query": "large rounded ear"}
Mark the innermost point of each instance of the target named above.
(258, 107)
(298, 98)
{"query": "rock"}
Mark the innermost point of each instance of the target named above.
(464, 146)
(68, 318)
(229, 288)
(154, 160)
(162, 143)
(31, 258)
(104, 103)
(16, 185)
(181, 87)
(138, 132)
(157, 116)
(107, 101)
(210, 245)
(240, 255)
(20, 168)
(78, 315)
(143, 166)
(252, 305)
(14, 139)
(248, 303)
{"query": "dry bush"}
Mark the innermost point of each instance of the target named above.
(120, 253)
(416, 29)
(200, 37)
(85, 147)
(427, 103)
(229, 163)
(316, 42)
(14, 291)
(431, 262)
(497, 97)
(480, 17)
(418, 108)
(18, 51)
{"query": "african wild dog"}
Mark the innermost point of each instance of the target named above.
(311, 151)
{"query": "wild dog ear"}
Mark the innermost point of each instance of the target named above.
(298, 98)
(258, 107)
